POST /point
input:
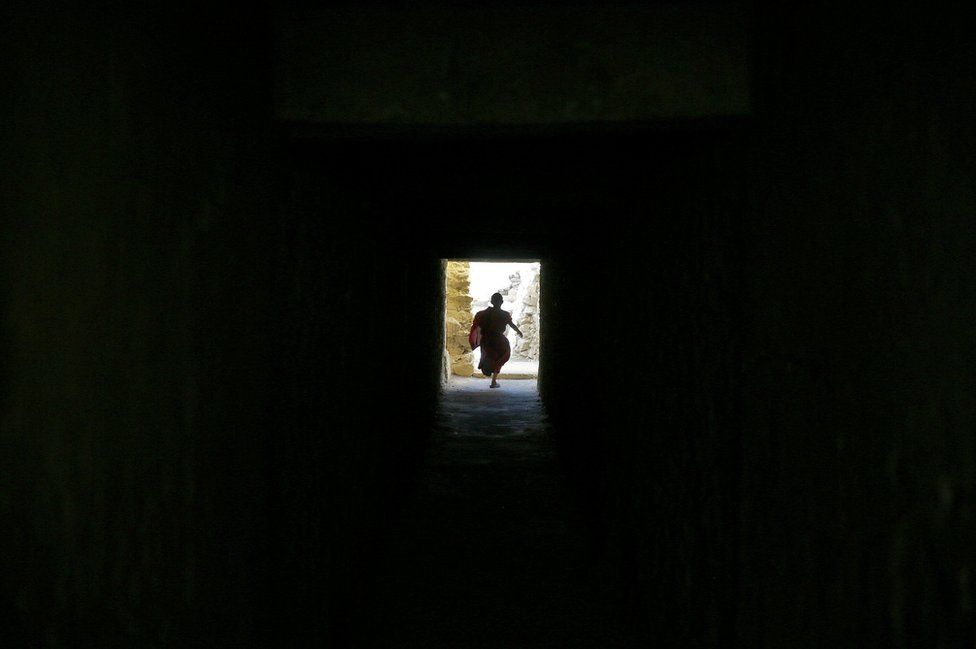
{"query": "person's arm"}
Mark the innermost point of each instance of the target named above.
(512, 325)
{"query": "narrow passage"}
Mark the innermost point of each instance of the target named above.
(489, 552)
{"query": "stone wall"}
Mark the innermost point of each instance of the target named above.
(458, 318)
(526, 316)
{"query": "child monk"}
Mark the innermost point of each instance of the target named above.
(488, 331)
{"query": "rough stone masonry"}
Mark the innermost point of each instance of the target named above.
(458, 319)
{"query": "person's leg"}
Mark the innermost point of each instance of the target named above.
(494, 380)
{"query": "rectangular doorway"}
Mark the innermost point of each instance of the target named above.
(468, 288)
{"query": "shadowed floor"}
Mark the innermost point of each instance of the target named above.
(489, 551)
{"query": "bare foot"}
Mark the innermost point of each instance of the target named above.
(494, 385)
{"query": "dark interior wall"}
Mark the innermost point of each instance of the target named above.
(199, 440)
(796, 467)
(361, 317)
(220, 350)
(787, 453)
(441, 64)
(136, 288)
(857, 374)
(648, 430)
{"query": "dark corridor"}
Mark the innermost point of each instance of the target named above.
(220, 226)
(491, 549)
(545, 189)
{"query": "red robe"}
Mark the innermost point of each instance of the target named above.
(488, 331)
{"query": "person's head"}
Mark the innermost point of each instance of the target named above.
(496, 300)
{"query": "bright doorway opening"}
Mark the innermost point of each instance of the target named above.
(469, 285)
